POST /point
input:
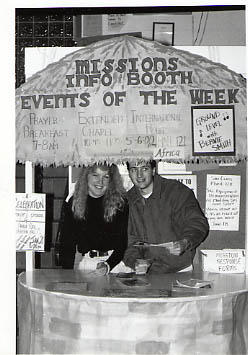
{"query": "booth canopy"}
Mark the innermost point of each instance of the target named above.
(128, 98)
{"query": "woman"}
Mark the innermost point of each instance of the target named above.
(95, 218)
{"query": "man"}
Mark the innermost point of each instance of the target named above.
(166, 223)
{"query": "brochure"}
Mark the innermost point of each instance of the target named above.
(194, 283)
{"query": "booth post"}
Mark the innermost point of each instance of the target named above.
(29, 188)
(70, 180)
(246, 224)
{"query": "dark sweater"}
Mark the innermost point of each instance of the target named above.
(93, 233)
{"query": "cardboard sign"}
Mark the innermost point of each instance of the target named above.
(223, 202)
(30, 221)
(223, 261)
(125, 98)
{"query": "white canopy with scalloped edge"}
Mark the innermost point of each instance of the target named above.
(130, 98)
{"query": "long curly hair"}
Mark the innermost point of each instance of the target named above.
(113, 199)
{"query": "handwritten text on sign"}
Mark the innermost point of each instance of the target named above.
(213, 130)
(222, 202)
(224, 261)
(30, 221)
(113, 102)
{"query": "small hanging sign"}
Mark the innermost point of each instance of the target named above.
(30, 221)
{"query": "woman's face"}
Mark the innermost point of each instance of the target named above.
(98, 182)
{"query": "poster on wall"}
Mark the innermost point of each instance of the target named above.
(126, 98)
(223, 202)
(30, 210)
(213, 130)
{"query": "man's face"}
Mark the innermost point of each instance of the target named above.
(141, 175)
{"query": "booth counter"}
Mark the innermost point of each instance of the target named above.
(74, 312)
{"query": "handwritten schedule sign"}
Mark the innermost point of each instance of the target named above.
(223, 202)
(224, 261)
(128, 98)
(213, 130)
(30, 221)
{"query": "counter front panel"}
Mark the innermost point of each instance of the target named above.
(70, 312)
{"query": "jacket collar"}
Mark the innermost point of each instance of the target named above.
(134, 194)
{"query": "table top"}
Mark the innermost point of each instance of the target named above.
(71, 283)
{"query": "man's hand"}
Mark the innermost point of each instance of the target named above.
(179, 247)
(141, 266)
(101, 269)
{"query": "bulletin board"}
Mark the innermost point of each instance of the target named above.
(219, 239)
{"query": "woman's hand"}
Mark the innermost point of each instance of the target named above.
(102, 268)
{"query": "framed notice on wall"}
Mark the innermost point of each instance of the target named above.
(163, 32)
(213, 130)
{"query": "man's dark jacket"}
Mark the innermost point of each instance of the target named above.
(171, 213)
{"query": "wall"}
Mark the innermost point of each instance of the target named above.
(42, 28)
(144, 23)
(223, 28)
(216, 28)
